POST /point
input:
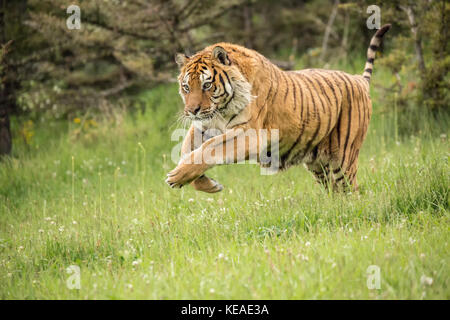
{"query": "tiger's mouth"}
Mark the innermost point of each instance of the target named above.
(211, 113)
(205, 116)
(220, 111)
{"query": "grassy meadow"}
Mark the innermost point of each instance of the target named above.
(90, 192)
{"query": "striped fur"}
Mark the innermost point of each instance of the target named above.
(322, 115)
(371, 51)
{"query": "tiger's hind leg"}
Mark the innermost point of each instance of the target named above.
(344, 179)
(329, 173)
(322, 174)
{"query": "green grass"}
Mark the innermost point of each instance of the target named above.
(262, 237)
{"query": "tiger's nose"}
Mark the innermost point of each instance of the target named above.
(195, 110)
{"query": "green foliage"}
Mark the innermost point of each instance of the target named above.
(436, 81)
(124, 47)
(429, 89)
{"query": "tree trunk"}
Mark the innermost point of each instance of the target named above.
(5, 131)
(328, 29)
(417, 38)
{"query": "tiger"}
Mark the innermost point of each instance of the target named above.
(322, 116)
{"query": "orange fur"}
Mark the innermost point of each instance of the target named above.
(322, 115)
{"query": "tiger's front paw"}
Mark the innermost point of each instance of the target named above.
(184, 174)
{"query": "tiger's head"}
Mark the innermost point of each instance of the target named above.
(211, 85)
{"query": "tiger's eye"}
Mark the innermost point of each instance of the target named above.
(185, 87)
(207, 86)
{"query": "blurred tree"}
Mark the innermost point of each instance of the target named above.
(125, 46)
(5, 131)
(8, 76)
(121, 46)
(436, 82)
(420, 27)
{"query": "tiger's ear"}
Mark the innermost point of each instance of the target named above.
(181, 59)
(221, 55)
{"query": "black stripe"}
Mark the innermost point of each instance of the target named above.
(231, 119)
(369, 70)
(338, 110)
(311, 141)
(330, 86)
(271, 86)
(223, 83)
(370, 60)
(224, 88)
(226, 104)
(312, 84)
(342, 77)
(226, 75)
(315, 153)
(364, 105)
(361, 104)
(336, 105)
(287, 87)
(330, 142)
(320, 174)
(277, 81)
(301, 101)
(268, 94)
(305, 122)
(355, 154)
(286, 155)
(373, 47)
(349, 117)
(220, 95)
(329, 101)
(294, 89)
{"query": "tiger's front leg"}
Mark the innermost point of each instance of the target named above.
(193, 140)
(222, 149)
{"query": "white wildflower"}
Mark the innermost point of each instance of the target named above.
(136, 262)
(424, 280)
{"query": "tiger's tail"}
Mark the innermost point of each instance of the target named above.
(373, 47)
